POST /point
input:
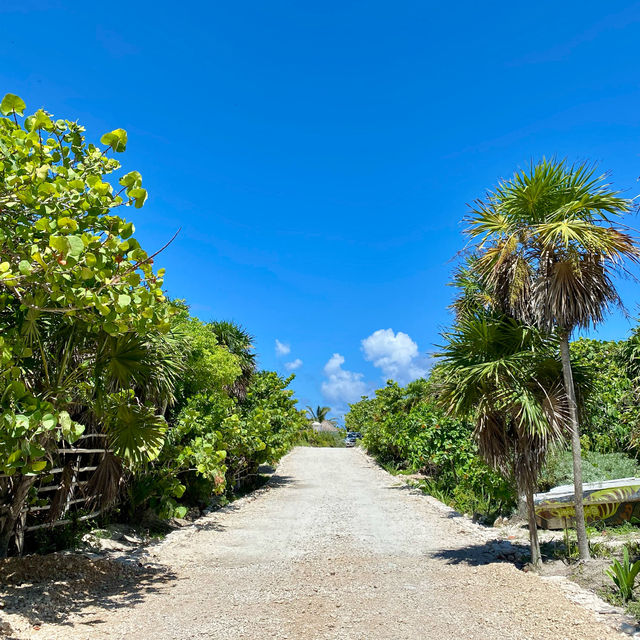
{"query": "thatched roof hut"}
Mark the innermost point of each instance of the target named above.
(325, 425)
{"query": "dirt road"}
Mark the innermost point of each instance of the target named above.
(334, 548)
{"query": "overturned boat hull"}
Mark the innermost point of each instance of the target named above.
(612, 502)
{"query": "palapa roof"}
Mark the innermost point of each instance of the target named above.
(325, 425)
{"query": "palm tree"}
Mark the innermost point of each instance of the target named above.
(319, 414)
(239, 342)
(548, 249)
(504, 375)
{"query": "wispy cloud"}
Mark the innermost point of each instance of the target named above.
(282, 349)
(293, 365)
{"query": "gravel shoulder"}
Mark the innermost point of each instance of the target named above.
(332, 548)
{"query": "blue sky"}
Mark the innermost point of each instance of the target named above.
(319, 156)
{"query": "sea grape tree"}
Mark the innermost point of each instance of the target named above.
(67, 256)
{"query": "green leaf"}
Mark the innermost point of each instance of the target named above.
(40, 120)
(60, 244)
(47, 189)
(178, 490)
(116, 139)
(76, 246)
(38, 465)
(132, 179)
(14, 457)
(124, 300)
(49, 421)
(139, 197)
(180, 512)
(67, 224)
(11, 103)
(42, 224)
(127, 230)
(25, 267)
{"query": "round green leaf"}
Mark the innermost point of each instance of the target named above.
(12, 103)
(116, 139)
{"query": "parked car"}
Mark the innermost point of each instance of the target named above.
(351, 437)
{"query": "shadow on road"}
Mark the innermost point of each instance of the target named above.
(277, 480)
(486, 553)
(50, 588)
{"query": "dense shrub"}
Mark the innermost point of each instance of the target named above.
(312, 438)
(611, 413)
(216, 441)
(90, 347)
(595, 468)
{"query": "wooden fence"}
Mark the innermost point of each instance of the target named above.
(64, 489)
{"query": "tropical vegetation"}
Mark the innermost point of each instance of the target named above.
(319, 414)
(90, 347)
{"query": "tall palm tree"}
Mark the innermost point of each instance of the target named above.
(548, 249)
(504, 375)
(239, 342)
(319, 414)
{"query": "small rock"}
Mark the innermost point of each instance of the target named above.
(625, 627)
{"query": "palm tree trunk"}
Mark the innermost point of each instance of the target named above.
(581, 530)
(536, 556)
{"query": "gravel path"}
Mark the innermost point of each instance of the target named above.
(333, 548)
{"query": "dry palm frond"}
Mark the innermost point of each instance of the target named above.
(492, 435)
(572, 290)
(104, 484)
(59, 501)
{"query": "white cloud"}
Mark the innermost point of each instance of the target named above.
(293, 365)
(342, 386)
(396, 354)
(282, 349)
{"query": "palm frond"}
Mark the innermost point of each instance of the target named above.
(547, 247)
(135, 432)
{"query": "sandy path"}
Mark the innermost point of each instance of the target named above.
(335, 548)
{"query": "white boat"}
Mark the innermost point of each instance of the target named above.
(610, 501)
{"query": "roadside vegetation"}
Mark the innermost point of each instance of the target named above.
(102, 374)
(97, 362)
(322, 431)
(313, 438)
(514, 405)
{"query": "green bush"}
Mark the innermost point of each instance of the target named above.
(596, 467)
(611, 413)
(313, 438)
